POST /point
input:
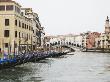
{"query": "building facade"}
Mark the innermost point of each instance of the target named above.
(38, 30)
(61, 40)
(90, 43)
(89, 39)
(78, 40)
(107, 26)
(19, 28)
(103, 42)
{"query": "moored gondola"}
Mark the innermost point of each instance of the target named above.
(27, 57)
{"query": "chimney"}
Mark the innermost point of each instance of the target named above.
(5, 0)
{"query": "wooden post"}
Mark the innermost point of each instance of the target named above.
(27, 48)
(14, 48)
(31, 43)
(19, 47)
(3, 48)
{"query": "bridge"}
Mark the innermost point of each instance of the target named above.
(59, 47)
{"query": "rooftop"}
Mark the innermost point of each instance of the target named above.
(10, 1)
(5, 0)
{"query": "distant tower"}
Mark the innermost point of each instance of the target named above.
(107, 26)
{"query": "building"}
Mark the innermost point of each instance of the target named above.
(107, 26)
(38, 30)
(20, 28)
(90, 43)
(84, 39)
(89, 39)
(103, 41)
(78, 40)
(61, 39)
(42, 41)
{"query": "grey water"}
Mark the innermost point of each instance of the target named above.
(80, 67)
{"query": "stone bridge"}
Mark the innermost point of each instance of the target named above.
(67, 45)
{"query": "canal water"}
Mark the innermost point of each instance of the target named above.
(80, 67)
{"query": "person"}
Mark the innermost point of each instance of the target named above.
(0, 50)
(0, 53)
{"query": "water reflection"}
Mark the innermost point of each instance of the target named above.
(13, 74)
(24, 73)
(80, 67)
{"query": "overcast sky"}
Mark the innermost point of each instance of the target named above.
(70, 16)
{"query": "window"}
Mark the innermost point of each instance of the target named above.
(27, 36)
(2, 8)
(22, 25)
(15, 33)
(25, 26)
(6, 22)
(17, 9)
(19, 24)
(19, 35)
(9, 7)
(6, 33)
(6, 45)
(16, 22)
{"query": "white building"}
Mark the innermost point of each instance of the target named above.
(103, 41)
(38, 31)
(42, 36)
(78, 40)
(62, 39)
